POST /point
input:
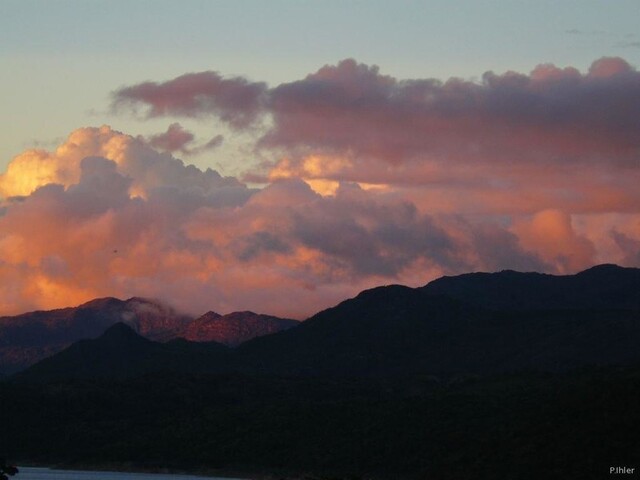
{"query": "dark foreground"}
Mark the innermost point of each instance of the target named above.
(517, 426)
(435, 383)
(38, 473)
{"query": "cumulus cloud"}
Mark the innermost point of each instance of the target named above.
(126, 220)
(552, 235)
(368, 180)
(352, 107)
(147, 168)
(488, 141)
(553, 117)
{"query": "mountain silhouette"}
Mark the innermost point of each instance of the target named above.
(121, 353)
(397, 330)
(27, 338)
(602, 286)
(396, 382)
(30, 337)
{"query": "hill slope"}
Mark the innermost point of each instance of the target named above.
(398, 330)
(234, 328)
(564, 323)
(122, 353)
(25, 339)
(600, 287)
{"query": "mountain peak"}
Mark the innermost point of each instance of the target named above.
(603, 268)
(234, 328)
(120, 333)
(104, 302)
(601, 286)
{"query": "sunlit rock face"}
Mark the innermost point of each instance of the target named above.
(29, 337)
(234, 328)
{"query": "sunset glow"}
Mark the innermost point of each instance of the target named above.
(223, 190)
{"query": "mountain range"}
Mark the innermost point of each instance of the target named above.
(501, 375)
(30, 337)
(473, 324)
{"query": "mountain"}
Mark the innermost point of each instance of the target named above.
(397, 330)
(540, 384)
(30, 337)
(27, 338)
(453, 326)
(602, 286)
(121, 353)
(234, 328)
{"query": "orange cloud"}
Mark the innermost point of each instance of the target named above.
(147, 168)
(550, 233)
(201, 241)
(369, 180)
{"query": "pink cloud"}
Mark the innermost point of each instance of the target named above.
(551, 234)
(177, 139)
(201, 241)
(555, 138)
(552, 115)
(549, 116)
(235, 100)
(369, 180)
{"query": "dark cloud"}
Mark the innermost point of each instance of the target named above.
(177, 139)
(548, 114)
(551, 115)
(234, 100)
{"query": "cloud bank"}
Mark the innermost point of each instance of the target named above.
(368, 180)
(517, 143)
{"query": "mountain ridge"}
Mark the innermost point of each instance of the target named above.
(32, 336)
(511, 290)
(120, 353)
(398, 330)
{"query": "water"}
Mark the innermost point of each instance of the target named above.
(30, 473)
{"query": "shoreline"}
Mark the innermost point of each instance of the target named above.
(227, 474)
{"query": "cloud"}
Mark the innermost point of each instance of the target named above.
(177, 139)
(553, 114)
(128, 220)
(236, 101)
(147, 168)
(548, 116)
(488, 141)
(629, 246)
(551, 234)
(368, 180)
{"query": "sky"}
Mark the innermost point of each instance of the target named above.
(282, 156)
